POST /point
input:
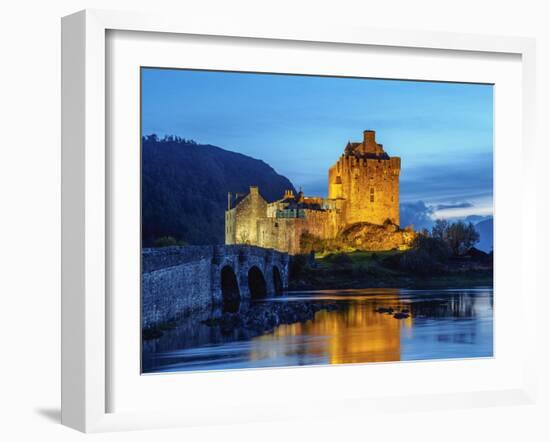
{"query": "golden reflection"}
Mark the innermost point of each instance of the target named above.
(355, 334)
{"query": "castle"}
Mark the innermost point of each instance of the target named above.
(363, 187)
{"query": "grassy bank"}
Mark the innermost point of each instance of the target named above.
(379, 269)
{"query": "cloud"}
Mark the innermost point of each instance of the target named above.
(477, 218)
(449, 180)
(421, 215)
(463, 205)
(418, 214)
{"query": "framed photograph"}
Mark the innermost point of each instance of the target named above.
(262, 222)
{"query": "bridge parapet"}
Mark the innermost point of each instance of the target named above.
(160, 258)
(179, 280)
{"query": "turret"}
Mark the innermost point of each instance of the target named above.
(365, 181)
(370, 146)
(369, 138)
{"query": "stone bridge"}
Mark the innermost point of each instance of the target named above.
(179, 280)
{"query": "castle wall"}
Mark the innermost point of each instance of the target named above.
(231, 226)
(284, 234)
(240, 221)
(369, 187)
(363, 187)
(176, 281)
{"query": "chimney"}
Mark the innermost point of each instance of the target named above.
(370, 146)
(369, 138)
(254, 190)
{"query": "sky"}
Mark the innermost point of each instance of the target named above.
(299, 125)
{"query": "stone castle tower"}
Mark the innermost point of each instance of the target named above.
(363, 190)
(365, 182)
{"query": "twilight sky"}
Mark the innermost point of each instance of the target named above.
(299, 125)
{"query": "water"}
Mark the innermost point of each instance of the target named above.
(443, 324)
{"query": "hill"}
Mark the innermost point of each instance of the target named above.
(185, 186)
(485, 230)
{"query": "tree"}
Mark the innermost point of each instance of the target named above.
(310, 243)
(461, 237)
(439, 230)
(427, 256)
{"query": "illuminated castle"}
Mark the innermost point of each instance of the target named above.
(363, 187)
(367, 180)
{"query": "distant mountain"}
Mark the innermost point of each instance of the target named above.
(475, 219)
(185, 186)
(485, 230)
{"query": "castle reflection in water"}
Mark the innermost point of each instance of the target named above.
(356, 334)
(443, 324)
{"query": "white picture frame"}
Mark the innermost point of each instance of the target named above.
(86, 205)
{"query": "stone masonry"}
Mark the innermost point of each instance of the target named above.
(179, 280)
(363, 187)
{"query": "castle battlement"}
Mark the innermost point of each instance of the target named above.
(351, 161)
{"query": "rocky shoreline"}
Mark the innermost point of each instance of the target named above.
(253, 321)
(265, 317)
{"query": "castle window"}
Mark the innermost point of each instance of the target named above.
(372, 198)
(372, 195)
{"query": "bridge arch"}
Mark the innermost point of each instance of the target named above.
(277, 281)
(256, 283)
(231, 295)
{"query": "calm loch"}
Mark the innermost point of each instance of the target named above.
(346, 326)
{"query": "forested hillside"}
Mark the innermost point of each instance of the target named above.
(185, 186)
